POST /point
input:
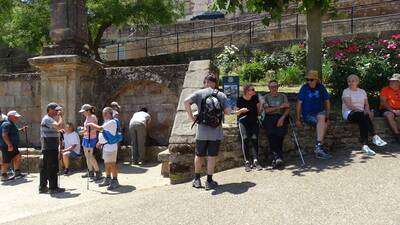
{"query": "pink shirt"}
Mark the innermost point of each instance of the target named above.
(93, 132)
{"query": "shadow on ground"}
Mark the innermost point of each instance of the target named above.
(233, 188)
(131, 169)
(341, 158)
(123, 189)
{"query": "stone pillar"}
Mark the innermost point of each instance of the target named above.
(68, 74)
(67, 80)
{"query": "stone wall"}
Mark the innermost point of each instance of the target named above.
(21, 92)
(155, 87)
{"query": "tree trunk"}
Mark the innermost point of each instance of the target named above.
(314, 36)
(94, 44)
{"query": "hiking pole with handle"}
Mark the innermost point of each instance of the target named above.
(27, 150)
(296, 141)
(87, 179)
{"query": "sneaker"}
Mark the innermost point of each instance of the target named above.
(367, 150)
(196, 183)
(56, 191)
(91, 176)
(247, 166)
(106, 182)
(43, 190)
(279, 163)
(98, 176)
(18, 174)
(256, 165)
(113, 184)
(211, 185)
(320, 153)
(66, 172)
(378, 141)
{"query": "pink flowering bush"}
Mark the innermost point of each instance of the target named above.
(373, 60)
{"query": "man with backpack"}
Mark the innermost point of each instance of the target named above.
(211, 105)
(109, 137)
(138, 131)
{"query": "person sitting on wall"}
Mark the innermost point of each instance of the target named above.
(313, 106)
(138, 131)
(9, 140)
(276, 110)
(355, 108)
(247, 110)
(390, 104)
(72, 148)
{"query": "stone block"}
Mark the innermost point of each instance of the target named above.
(31, 163)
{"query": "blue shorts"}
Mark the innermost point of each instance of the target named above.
(312, 119)
(73, 155)
(86, 143)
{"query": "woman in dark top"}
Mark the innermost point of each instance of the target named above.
(247, 111)
(276, 109)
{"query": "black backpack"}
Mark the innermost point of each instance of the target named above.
(211, 111)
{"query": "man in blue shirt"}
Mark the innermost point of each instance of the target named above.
(9, 140)
(314, 106)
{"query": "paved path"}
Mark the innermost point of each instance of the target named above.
(349, 189)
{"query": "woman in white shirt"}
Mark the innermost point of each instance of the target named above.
(355, 108)
(109, 150)
(72, 146)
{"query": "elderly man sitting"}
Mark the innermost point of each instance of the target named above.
(390, 103)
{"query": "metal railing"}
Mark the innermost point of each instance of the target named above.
(218, 35)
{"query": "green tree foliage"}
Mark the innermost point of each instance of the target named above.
(27, 22)
(314, 9)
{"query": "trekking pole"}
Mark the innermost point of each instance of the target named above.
(27, 150)
(296, 142)
(87, 179)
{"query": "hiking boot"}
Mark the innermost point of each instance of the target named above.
(196, 183)
(211, 185)
(247, 166)
(106, 182)
(91, 176)
(113, 185)
(57, 190)
(98, 176)
(43, 190)
(367, 150)
(378, 141)
(256, 165)
(320, 152)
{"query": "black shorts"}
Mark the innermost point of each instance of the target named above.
(9, 156)
(207, 148)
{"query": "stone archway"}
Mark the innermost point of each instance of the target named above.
(158, 99)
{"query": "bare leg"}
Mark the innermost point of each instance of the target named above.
(114, 170)
(198, 164)
(17, 162)
(392, 122)
(211, 165)
(66, 161)
(322, 127)
(88, 158)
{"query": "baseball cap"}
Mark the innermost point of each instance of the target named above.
(53, 106)
(395, 77)
(115, 104)
(13, 113)
(85, 107)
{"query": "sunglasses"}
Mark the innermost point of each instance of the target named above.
(252, 89)
(273, 86)
(310, 80)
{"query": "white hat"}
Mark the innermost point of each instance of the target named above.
(13, 113)
(85, 107)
